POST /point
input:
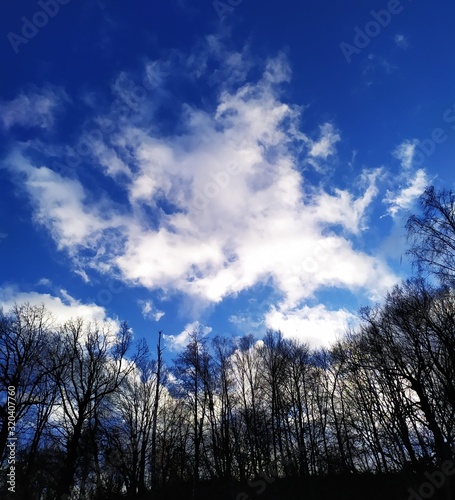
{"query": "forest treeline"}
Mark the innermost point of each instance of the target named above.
(97, 417)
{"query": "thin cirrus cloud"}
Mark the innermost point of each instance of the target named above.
(217, 207)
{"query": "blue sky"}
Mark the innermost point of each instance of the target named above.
(233, 166)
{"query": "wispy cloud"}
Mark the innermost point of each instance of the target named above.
(62, 206)
(325, 145)
(403, 199)
(149, 310)
(411, 182)
(401, 41)
(36, 108)
(405, 153)
(374, 68)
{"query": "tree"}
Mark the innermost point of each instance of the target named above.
(299, 368)
(247, 372)
(194, 383)
(94, 367)
(129, 425)
(411, 339)
(432, 235)
(24, 339)
(274, 363)
(156, 402)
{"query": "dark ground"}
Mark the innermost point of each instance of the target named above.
(352, 487)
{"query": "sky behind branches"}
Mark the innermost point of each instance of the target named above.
(229, 166)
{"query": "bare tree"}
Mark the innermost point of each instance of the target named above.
(156, 402)
(24, 340)
(193, 371)
(432, 235)
(95, 367)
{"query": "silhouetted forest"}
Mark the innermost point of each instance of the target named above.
(100, 417)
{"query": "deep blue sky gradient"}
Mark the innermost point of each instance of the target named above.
(390, 93)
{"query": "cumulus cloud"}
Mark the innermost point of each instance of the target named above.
(219, 205)
(317, 325)
(35, 108)
(63, 306)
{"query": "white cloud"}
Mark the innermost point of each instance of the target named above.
(180, 341)
(218, 206)
(61, 205)
(149, 310)
(404, 198)
(325, 146)
(33, 109)
(344, 208)
(83, 275)
(112, 164)
(63, 307)
(45, 282)
(317, 325)
(405, 153)
(411, 182)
